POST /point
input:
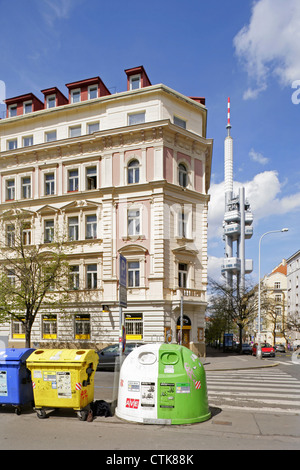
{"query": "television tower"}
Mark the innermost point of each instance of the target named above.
(237, 223)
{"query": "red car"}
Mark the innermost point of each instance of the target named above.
(266, 350)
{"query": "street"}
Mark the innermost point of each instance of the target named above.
(257, 408)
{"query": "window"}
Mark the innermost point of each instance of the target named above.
(93, 127)
(49, 231)
(182, 224)
(133, 271)
(134, 222)
(49, 326)
(91, 178)
(26, 187)
(75, 96)
(74, 277)
(50, 136)
(278, 298)
(75, 131)
(82, 326)
(10, 235)
(18, 329)
(11, 277)
(27, 107)
(12, 144)
(12, 110)
(182, 275)
(135, 82)
(133, 172)
(137, 118)
(73, 228)
(179, 122)
(51, 101)
(182, 175)
(10, 190)
(91, 271)
(26, 233)
(73, 180)
(91, 227)
(49, 184)
(134, 326)
(28, 141)
(276, 285)
(93, 92)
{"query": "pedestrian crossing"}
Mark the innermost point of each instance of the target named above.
(265, 390)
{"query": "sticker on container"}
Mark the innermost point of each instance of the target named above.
(64, 385)
(167, 395)
(132, 403)
(37, 374)
(3, 384)
(56, 356)
(197, 384)
(133, 386)
(169, 369)
(148, 394)
(49, 376)
(183, 388)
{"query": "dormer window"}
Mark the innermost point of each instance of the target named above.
(27, 107)
(135, 82)
(12, 110)
(180, 122)
(75, 96)
(93, 92)
(51, 101)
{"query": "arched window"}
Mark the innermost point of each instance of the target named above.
(183, 175)
(133, 172)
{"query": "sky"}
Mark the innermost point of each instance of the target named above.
(246, 50)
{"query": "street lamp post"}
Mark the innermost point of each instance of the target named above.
(258, 350)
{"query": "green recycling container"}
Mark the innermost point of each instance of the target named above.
(163, 384)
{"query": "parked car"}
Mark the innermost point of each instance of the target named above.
(108, 355)
(246, 348)
(266, 350)
(279, 348)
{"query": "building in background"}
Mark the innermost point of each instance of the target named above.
(274, 305)
(125, 173)
(293, 295)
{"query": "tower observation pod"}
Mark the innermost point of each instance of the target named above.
(238, 219)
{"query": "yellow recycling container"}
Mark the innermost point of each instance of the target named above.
(63, 378)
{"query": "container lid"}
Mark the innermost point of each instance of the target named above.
(62, 355)
(15, 354)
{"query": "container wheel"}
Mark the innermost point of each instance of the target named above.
(18, 410)
(41, 414)
(82, 415)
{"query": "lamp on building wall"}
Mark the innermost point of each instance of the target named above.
(258, 350)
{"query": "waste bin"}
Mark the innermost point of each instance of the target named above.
(162, 384)
(63, 378)
(15, 379)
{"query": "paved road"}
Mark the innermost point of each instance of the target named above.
(243, 423)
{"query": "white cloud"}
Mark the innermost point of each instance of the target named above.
(270, 44)
(53, 10)
(258, 157)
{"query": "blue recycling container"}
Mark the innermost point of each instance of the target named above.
(15, 378)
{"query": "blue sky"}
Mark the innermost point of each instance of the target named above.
(248, 50)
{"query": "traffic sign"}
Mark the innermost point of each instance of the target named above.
(123, 271)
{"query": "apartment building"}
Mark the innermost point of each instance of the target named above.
(125, 173)
(274, 305)
(293, 295)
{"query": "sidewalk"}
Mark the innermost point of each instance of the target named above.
(218, 360)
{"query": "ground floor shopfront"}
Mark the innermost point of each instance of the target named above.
(96, 326)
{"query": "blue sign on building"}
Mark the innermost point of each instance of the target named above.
(123, 271)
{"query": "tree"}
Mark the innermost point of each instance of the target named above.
(31, 276)
(233, 305)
